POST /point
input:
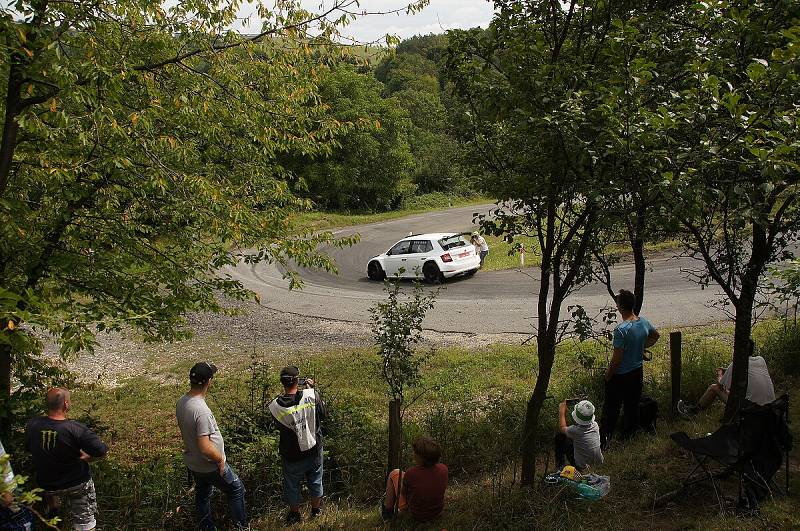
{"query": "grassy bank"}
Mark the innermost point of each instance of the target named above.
(504, 255)
(472, 401)
(416, 205)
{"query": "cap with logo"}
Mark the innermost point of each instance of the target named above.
(583, 413)
(202, 372)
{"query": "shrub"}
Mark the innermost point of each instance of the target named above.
(781, 350)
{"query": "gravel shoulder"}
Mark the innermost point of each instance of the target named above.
(233, 341)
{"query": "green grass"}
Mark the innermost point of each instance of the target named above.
(471, 400)
(417, 205)
(502, 255)
(499, 257)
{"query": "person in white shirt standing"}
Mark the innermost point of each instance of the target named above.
(760, 389)
(480, 245)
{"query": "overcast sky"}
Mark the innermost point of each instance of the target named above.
(439, 16)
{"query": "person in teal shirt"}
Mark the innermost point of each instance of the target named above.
(624, 376)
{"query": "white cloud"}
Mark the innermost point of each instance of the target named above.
(437, 17)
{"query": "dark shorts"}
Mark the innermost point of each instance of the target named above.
(310, 469)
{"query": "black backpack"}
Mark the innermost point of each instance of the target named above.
(648, 414)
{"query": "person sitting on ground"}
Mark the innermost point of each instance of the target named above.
(760, 389)
(580, 443)
(420, 490)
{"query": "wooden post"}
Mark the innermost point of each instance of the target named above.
(675, 370)
(395, 435)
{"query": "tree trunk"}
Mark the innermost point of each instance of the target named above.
(530, 431)
(11, 127)
(545, 351)
(741, 351)
(640, 268)
(637, 245)
(395, 435)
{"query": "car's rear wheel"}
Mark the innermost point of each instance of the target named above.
(431, 273)
(375, 271)
(470, 272)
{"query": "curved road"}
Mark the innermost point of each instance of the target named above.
(489, 302)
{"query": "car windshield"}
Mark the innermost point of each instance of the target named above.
(452, 242)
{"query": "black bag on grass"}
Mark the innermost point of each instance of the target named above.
(648, 414)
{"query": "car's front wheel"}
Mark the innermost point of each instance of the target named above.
(431, 273)
(375, 271)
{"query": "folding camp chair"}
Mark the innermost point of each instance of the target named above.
(753, 449)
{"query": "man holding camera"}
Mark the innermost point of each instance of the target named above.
(298, 414)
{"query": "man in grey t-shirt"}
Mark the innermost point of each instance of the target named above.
(580, 443)
(204, 450)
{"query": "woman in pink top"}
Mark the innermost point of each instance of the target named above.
(421, 488)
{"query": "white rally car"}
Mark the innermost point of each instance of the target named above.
(433, 257)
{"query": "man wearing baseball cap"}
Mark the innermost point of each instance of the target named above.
(298, 414)
(204, 451)
(580, 443)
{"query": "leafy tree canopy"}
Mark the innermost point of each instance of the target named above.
(141, 157)
(371, 168)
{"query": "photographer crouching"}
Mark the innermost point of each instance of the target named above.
(299, 414)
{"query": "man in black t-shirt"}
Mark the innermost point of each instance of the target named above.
(62, 450)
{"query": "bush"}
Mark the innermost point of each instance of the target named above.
(781, 350)
(433, 200)
(478, 435)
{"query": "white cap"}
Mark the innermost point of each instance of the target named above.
(583, 413)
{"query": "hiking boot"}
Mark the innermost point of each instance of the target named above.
(316, 512)
(293, 517)
(687, 409)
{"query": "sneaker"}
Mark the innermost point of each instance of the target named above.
(293, 517)
(687, 409)
(316, 512)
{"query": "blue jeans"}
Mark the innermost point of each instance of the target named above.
(231, 485)
(310, 469)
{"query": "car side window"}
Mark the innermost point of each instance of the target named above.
(421, 246)
(400, 248)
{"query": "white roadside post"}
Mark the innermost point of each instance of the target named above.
(521, 256)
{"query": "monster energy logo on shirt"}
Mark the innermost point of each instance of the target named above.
(49, 438)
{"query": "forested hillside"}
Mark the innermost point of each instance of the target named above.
(403, 141)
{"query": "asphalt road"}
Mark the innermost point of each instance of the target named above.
(489, 302)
